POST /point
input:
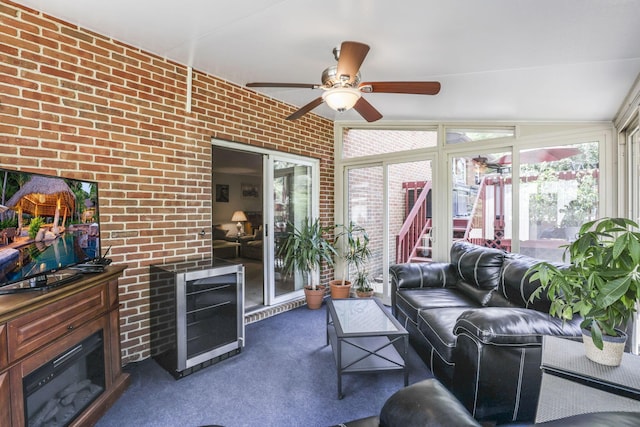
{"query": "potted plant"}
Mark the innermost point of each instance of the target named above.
(353, 242)
(574, 217)
(601, 283)
(362, 285)
(304, 250)
(581, 209)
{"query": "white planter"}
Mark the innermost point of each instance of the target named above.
(611, 353)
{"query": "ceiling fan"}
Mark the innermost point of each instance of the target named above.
(484, 164)
(343, 89)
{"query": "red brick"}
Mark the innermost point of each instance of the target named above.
(92, 107)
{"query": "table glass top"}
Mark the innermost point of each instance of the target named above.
(362, 316)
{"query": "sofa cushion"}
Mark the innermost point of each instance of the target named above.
(411, 301)
(515, 285)
(437, 325)
(479, 268)
(477, 265)
(219, 233)
(480, 296)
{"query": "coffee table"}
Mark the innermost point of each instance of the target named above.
(365, 338)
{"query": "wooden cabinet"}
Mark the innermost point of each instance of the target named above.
(40, 327)
(5, 400)
(37, 327)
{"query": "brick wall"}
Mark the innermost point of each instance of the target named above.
(81, 105)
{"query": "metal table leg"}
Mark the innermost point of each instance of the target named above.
(339, 358)
(406, 355)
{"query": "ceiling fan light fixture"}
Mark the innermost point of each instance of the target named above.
(341, 98)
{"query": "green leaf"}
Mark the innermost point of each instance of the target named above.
(620, 245)
(613, 290)
(634, 249)
(567, 313)
(596, 335)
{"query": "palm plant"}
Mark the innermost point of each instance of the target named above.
(362, 282)
(355, 247)
(305, 249)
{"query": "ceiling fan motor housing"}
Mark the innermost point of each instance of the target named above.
(330, 78)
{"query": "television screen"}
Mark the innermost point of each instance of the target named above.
(47, 224)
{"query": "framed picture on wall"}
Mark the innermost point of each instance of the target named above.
(222, 193)
(249, 191)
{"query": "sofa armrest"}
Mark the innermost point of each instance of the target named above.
(425, 403)
(509, 326)
(422, 275)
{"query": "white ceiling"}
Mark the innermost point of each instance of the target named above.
(504, 60)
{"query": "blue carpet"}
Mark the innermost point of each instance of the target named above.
(285, 376)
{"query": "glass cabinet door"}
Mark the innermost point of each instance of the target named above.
(211, 307)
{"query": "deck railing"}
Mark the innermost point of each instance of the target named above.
(414, 227)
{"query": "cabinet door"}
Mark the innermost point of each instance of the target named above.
(211, 313)
(5, 400)
(40, 327)
(3, 345)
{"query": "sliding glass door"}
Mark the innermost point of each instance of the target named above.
(273, 190)
(393, 201)
(292, 185)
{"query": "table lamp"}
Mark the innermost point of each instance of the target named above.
(240, 217)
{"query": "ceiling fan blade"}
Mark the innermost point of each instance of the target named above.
(352, 56)
(290, 85)
(417, 88)
(367, 110)
(305, 109)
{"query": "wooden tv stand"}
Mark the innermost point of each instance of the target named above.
(36, 327)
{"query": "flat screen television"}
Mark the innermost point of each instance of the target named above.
(47, 225)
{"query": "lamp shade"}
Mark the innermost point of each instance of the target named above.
(239, 216)
(341, 98)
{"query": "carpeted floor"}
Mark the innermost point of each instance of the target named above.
(285, 376)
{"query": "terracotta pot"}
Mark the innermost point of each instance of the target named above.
(364, 294)
(338, 290)
(612, 350)
(314, 297)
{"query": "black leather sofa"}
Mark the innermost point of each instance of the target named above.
(429, 404)
(472, 323)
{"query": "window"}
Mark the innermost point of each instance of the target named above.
(558, 193)
(368, 142)
(462, 135)
(499, 188)
(482, 199)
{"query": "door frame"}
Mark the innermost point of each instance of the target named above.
(268, 256)
(270, 297)
(342, 193)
